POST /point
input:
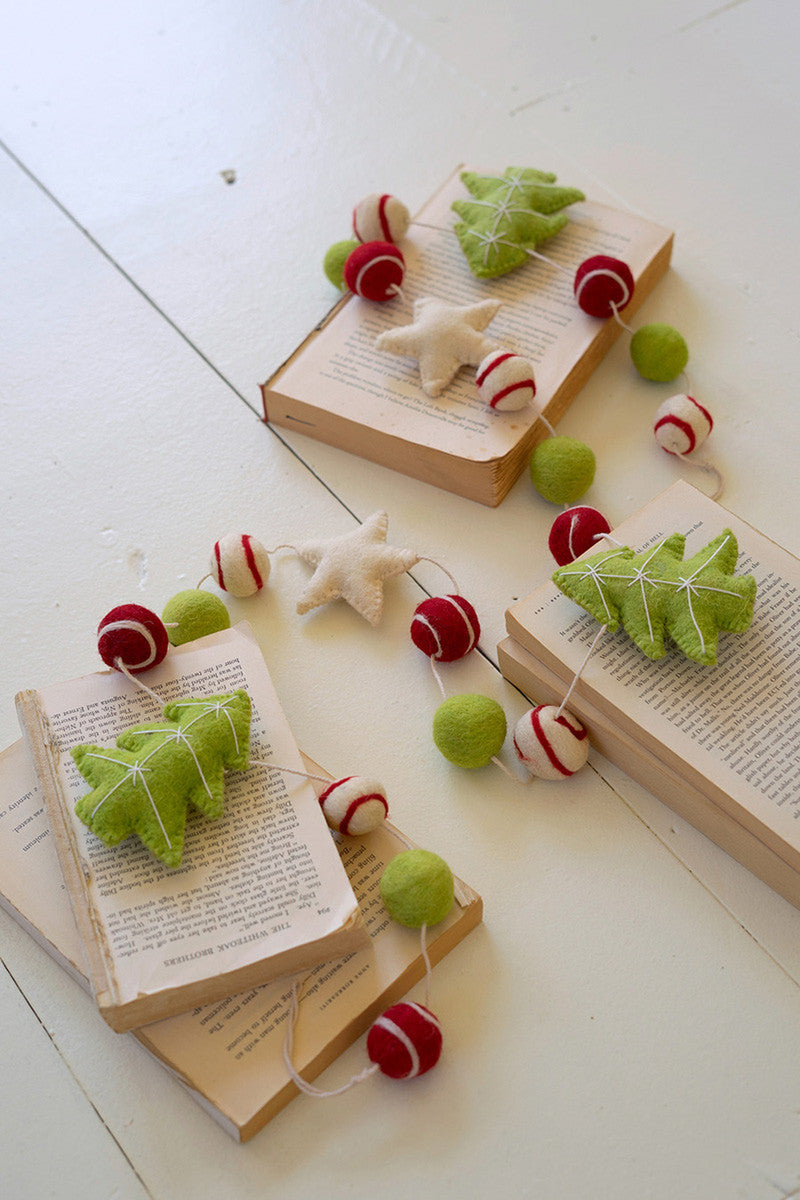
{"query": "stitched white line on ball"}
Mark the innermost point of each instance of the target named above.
(423, 1012)
(373, 262)
(390, 1027)
(465, 619)
(424, 621)
(626, 295)
(135, 627)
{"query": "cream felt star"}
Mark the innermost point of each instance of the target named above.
(354, 567)
(443, 338)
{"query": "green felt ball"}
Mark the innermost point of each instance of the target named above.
(333, 263)
(417, 888)
(194, 614)
(659, 352)
(469, 729)
(562, 469)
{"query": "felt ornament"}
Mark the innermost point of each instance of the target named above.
(335, 258)
(353, 805)
(405, 1041)
(194, 614)
(681, 424)
(445, 627)
(240, 564)
(551, 744)
(417, 888)
(575, 531)
(656, 593)
(442, 338)
(380, 218)
(603, 285)
(562, 469)
(145, 783)
(505, 381)
(506, 217)
(354, 567)
(132, 637)
(469, 730)
(659, 352)
(375, 271)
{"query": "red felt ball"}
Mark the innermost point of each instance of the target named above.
(574, 531)
(374, 271)
(602, 281)
(445, 627)
(406, 1041)
(134, 635)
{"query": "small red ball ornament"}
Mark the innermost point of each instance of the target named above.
(574, 531)
(133, 635)
(445, 627)
(602, 283)
(375, 271)
(406, 1041)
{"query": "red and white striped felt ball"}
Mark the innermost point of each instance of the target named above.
(445, 627)
(505, 381)
(375, 271)
(405, 1041)
(550, 746)
(380, 218)
(354, 805)
(602, 281)
(134, 636)
(682, 424)
(240, 564)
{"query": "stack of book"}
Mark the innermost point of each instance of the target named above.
(718, 744)
(195, 960)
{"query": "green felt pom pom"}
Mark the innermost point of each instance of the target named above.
(194, 614)
(659, 352)
(333, 263)
(469, 730)
(562, 469)
(417, 888)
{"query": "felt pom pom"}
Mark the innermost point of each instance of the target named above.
(240, 564)
(469, 730)
(380, 218)
(336, 257)
(659, 352)
(445, 627)
(602, 283)
(375, 271)
(682, 424)
(417, 888)
(133, 634)
(194, 614)
(551, 747)
(406, 1041)
(562, 469)
(505, 381)
(354, 805)
(575, 531)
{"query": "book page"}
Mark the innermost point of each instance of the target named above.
(230, 1053)
(340, 369)
(735, 723)
(260, 879)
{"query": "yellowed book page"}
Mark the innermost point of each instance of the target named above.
(262, 878)
(736, 722)
(341, 371)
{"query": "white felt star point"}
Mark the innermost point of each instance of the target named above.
(443, 338)
(353, 567)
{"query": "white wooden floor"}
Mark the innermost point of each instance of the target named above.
(627, 1022)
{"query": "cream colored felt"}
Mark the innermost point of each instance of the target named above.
(442, 338)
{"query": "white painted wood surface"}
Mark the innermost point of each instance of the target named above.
(627, 1022)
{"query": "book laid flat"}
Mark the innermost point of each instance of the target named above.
(338, 388)
(261, 891)
(716, 743)
(229, 1054)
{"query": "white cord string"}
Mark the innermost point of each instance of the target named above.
(618, 318)
(120, 665)
(437, 677)
(288, 1048)
(704, 465)
(580, 670)
(259, 762)
(510, 774)
(423, 945)
(452, 578)
(205, 577)
(551, 262)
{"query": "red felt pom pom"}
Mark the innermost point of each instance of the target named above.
(133, 634)
(445, 627)
(374, 271)
(406, 1041)
(574, 530)
(602, 281)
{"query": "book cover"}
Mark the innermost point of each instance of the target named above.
(338, 388)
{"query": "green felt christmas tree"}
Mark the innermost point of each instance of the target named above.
(145, 784)
(656, 593)
(509, 215)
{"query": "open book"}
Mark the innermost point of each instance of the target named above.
(716, 743)
(229, 1054)
(261, 891)
(338, 388)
